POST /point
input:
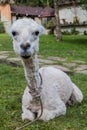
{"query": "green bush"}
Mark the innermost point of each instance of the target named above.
(2, 29)
(74, 31)
(66, 32)
(85, 32)
(50, 23)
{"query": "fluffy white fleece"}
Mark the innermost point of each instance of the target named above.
(57, 89)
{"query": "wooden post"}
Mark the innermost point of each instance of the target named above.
(58, 27)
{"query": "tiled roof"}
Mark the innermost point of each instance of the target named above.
(32, 11)
(48, 11)
(26, 10)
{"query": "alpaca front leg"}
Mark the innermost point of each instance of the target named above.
(27, 98)
(27, 114)
(52, 111)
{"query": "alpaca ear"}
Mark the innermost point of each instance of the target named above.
(41, 29)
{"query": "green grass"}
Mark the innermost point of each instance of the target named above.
(5, 42)
(72, 47)
(12, 85)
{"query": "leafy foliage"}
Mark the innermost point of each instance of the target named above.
(2, 30)
(35, 2)
(6, 1)
(84, 3)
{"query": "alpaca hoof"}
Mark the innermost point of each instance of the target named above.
(46, 116)
(28, 116)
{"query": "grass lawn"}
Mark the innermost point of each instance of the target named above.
(12, 85)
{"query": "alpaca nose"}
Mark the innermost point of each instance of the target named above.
(25, 46)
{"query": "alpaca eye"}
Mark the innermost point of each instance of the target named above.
(14, 33)
(36, 33)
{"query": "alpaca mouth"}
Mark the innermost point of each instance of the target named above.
(25, 56)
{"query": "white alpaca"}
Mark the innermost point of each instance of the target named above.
(56, 88)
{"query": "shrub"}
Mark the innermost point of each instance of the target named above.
(85, 32)
(74, 31)
(2, 29)
(50, 23)
(66, 32)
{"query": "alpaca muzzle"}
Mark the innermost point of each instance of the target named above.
(25, 54)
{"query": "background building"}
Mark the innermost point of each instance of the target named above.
(71, 15)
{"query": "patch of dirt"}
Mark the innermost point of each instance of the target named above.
(70, 64)
(14, 59)
(46, 61)
(3, 57)
(57, 58)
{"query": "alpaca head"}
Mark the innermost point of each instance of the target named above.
(25, 34)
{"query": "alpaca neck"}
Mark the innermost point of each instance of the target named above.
(31, 68)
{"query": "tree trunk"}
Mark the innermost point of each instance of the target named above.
(48, 3)
(58, 27)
